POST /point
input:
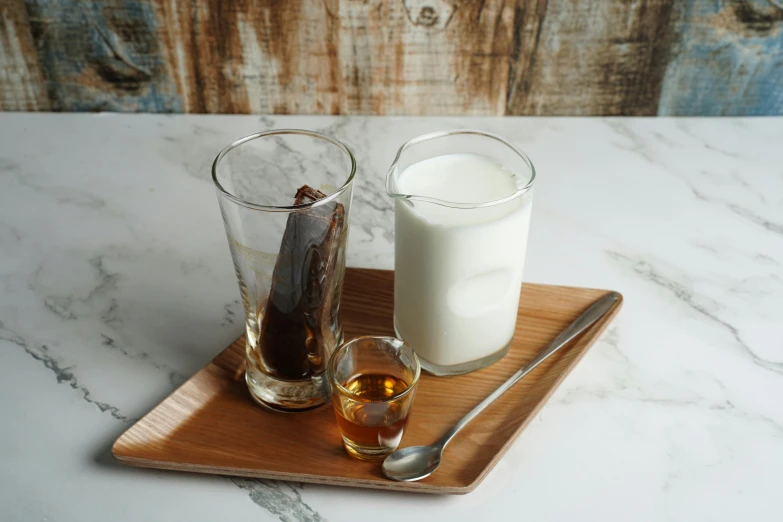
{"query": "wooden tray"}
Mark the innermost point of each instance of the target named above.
(210, 424)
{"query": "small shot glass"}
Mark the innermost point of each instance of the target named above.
(373, 380)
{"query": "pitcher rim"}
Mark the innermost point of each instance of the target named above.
(453, 204)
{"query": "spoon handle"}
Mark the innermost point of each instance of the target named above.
(588, 317)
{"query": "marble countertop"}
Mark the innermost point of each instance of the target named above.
(116, 284)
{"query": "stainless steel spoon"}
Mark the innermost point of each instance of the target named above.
(417, 462)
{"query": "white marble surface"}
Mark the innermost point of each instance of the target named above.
(116, 284)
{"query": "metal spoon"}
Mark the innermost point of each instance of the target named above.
(417, 462)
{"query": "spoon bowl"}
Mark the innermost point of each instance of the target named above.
(412, 463)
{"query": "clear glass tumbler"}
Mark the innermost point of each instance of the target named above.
(463, 203)
(373, 383)
(285, 197)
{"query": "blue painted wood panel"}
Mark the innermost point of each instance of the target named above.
(98, 55)
(727, 60)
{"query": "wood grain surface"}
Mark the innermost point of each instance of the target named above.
(415, 57)
(211, 425)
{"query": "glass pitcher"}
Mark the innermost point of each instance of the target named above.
(463, 202)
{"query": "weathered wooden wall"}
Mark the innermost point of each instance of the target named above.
(543, 57)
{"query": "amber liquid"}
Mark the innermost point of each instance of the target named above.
(372, 425)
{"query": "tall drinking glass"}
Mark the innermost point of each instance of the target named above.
(285, 197)
(462, 211)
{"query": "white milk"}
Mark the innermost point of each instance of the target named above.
(458, 272)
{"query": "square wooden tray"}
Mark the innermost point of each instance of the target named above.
(210, 424)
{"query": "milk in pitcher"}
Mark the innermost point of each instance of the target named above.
(460, 239)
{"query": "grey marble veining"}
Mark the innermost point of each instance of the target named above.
(116, 284)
